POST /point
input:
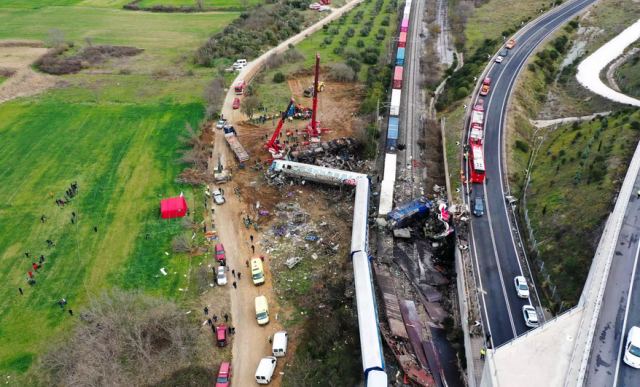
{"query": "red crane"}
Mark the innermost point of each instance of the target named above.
(273, 146)
(312, 128)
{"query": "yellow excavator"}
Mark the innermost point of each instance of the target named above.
(308, 92)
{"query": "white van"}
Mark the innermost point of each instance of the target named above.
(262, 310)
(265, 369)
(257, 271)
(280, 344)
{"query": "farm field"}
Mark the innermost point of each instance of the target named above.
(347, 38)
(116, 133)
(123, 158)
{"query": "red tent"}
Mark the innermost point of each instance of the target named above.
(173, 207)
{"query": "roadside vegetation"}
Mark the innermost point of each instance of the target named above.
(478, 28)
(628, 76)
(577, 168)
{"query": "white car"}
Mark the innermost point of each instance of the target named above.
(217, 197)
(530, 316)
(221, 123)
(499, 59)
(521, 287)
(632, 349)
(221, 278)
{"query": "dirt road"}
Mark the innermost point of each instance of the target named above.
(251, 341)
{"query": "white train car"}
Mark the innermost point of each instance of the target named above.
(396, 95)
(388, 184)
(360, 227)
(372, 357)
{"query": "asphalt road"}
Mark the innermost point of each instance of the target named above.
(495, 252)
(619, 311)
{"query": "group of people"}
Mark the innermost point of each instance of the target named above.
(37, 262)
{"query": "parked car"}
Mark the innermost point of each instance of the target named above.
(511, 43)
(221, 335)
(224, 375)
(499, 59)
(632, 349)
(522, 289)
(265, 369)
(530, 316)
(218, 197)
(240, 64)
(221, 123)
(220, 254)
(221, 277)
(236, 103)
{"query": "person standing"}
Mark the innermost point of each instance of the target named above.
(253, 249)
(206, 310)
(239, 275)
(226, 317)
(71, 312)
(235, 286)
(21, 292)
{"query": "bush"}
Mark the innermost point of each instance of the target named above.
(461, 92)
(278, 77)
(341, 72)
(360, 43)
(350, 32)
(522, 146)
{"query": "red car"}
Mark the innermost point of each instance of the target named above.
(224, 375)
(220, 255)
(221, 335)
(236, 103)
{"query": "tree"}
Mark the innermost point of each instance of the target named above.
(249, 105)
(200, 4)
(55, 38)
(278, 77)
(214, 96)
(122, 339)
(341, 72)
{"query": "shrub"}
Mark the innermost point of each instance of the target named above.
(350, 32)
(360, 43)
(341, 72)
(278, 77)
(522, 146)
(327, 40)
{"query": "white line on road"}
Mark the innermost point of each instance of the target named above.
(626, 314)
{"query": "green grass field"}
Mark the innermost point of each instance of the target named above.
(495, 16)
(123, 157)
(116, 134)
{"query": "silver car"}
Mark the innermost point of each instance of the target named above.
(221, 278)
(530, 316)
(218, 197)
(521, 286)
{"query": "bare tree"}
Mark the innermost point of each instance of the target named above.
(55, 38)
(123, 339)
(200, 4)
(214, 96)
(249, 105)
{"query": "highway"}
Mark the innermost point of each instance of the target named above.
(619, 311)
(493, 243)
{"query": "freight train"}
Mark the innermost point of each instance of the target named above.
(393, 128)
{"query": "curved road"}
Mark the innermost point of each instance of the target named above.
(493, 243)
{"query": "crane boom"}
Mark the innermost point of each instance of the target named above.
(273, 146)
(313, 131)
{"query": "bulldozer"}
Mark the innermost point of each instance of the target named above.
(308, 92)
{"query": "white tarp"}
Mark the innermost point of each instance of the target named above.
(590, 68)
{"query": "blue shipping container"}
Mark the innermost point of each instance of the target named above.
(401, 215)
(392, 131)
(400, 57)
